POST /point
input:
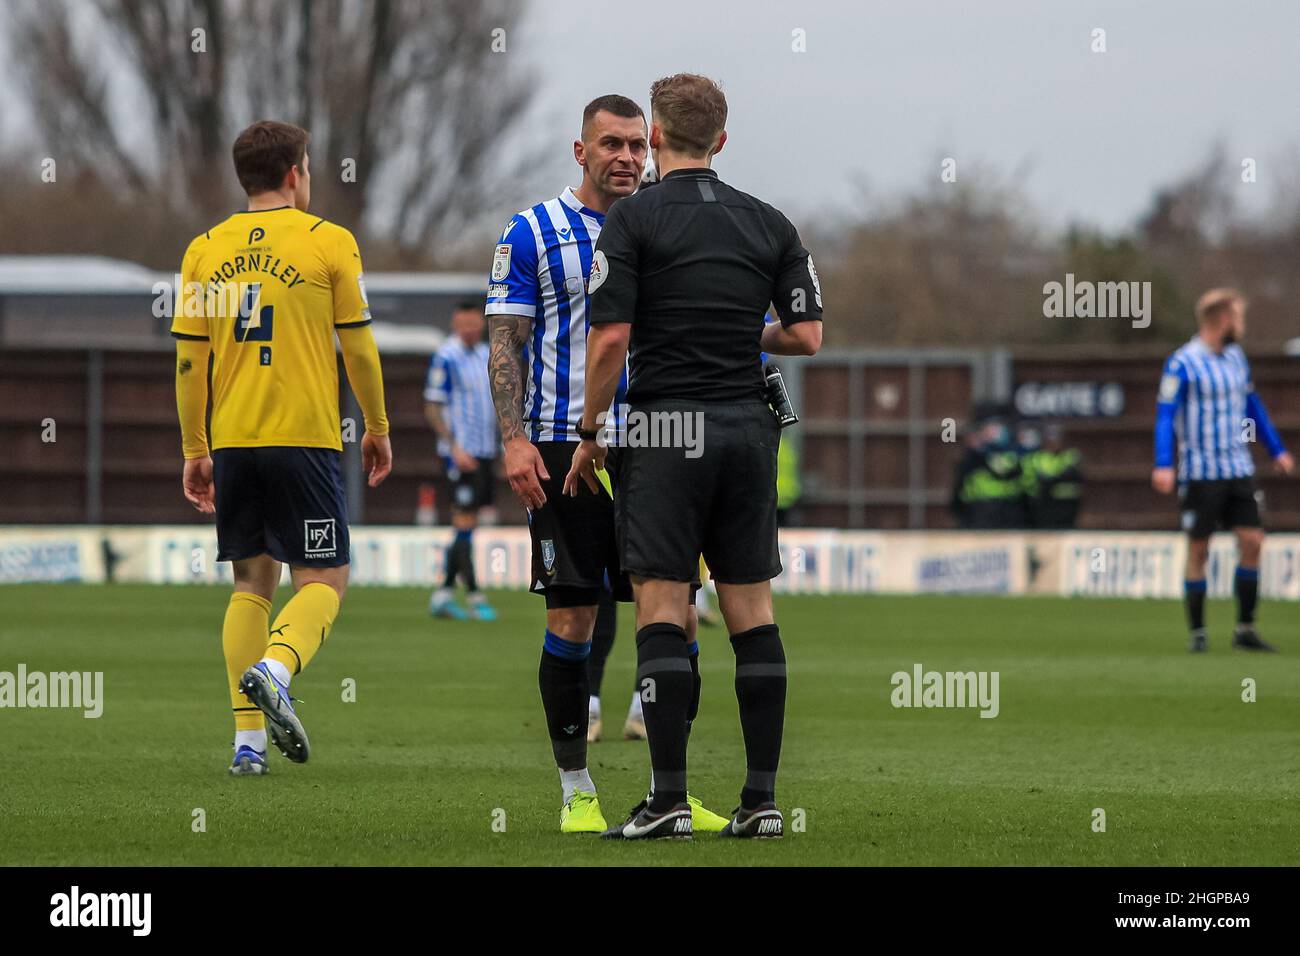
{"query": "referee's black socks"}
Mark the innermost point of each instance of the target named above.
(666, 682)
(562, 677)
(760, 690)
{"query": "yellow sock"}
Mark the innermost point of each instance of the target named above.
(302, 626)
(243, 639)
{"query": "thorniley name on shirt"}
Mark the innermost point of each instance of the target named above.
(218, 298)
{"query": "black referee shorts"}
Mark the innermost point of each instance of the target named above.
(671, 507)
(1227, 503)
(285, 501)
(574, 549)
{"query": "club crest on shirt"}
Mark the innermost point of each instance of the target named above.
(501, 262)
(548, 555)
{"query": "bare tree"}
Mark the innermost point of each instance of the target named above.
(408, 102)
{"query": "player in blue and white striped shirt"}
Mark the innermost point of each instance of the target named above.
(1208, 416)
(537, 315)
(458, 406)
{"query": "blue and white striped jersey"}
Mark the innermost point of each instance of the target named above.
(458, 380)
(540, 270)
(1210, 400)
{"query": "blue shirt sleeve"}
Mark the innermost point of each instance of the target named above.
(437, 384)
(513, 288)
(1256, 412)
(1173, 390)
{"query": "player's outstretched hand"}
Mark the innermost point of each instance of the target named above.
(1284, 463)
(523, 469)
(587, 459)
(1162, 480)
(376, 458)
(196, 482)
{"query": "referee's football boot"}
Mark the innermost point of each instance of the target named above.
(764, 822)
(272, 698)
(249, 762)
(1197, 642)
(643, 824)
(1246, 638)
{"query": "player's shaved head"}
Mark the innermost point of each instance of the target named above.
(611, 103)
(612, 150)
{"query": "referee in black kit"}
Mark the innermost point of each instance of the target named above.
(684, 273)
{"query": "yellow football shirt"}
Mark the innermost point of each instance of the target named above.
(267, 289)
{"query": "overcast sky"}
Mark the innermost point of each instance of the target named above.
(885, 89)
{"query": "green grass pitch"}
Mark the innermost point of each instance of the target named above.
(1101, 707)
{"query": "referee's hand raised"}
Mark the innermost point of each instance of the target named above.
(524, 468)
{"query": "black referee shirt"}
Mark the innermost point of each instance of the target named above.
(694, 264)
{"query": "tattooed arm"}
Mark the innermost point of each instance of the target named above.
(524, 467)
(508, 335)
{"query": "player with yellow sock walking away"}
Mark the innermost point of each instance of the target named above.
(264, 295)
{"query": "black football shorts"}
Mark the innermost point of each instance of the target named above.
(285, 501)
(1227, 503)
(575, 554)
(717, 500)
(471, 490)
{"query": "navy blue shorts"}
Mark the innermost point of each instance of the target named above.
(284, 501)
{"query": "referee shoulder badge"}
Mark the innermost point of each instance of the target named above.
(599, 271)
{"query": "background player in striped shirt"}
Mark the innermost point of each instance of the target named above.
(537, 315)
(264, 294)
(1208, 416)
(458, 406)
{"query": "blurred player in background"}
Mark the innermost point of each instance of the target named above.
(458, 406)
(264, 294)
(1208, 414)
(537, 314)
